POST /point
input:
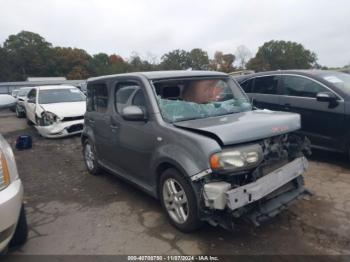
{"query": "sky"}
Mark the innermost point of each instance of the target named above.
(154, 27)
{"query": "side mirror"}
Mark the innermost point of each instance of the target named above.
(326, 97)
(133, 113)
(7, 101)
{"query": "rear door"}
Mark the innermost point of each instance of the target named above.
(265, 92)
(97, 117)
(322, 123)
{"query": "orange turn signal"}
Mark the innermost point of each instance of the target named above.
(214, 162)
(5, 169)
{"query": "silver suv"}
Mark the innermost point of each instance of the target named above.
(192, 139)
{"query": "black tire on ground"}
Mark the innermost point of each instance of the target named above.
(21, 233)
(192, 222)
(96, 169)
(19, 114)
(29, 123)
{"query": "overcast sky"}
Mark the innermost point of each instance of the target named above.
(158, 26)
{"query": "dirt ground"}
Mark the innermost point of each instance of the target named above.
(72, 212)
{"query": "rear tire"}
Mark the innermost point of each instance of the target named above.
(21, 233)
(90, 158)
(180, 202)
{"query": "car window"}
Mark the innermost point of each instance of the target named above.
(32, 94)
(266, 85)
(247, 85)
(124, 93)
(301, 86)
(97, 97)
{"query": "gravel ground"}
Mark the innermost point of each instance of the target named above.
(72, 212)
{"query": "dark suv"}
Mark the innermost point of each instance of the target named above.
(321, 97)
(191, 139)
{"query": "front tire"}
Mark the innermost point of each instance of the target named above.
(19, 114)
(90, 158)
(21, 233)
(179, 201)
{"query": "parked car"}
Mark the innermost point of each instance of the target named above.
(13, 223)
(21, 97)
(322, 98)
(14, 93)
(56, 111)
(191, 139)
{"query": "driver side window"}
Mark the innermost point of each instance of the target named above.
(32, 95)
(127, 94)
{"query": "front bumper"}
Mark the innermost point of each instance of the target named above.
(10, 207)
(247, 194)
(61, 129)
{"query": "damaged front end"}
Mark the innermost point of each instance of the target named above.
(254, 181)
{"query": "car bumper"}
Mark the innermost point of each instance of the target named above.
(247, 194)
(61, 129)
(10, 206)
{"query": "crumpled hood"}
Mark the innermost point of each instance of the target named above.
(245, 126)
(66, 109)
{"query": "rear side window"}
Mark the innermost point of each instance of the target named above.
(266, 85)
(247, 85)
(97, 97)
(301, 86)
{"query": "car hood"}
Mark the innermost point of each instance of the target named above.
(66, 109)
(245, 126)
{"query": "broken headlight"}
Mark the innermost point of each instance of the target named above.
(48, 118)
(236, 159)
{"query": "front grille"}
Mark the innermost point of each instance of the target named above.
(72, 118)
(75, 128)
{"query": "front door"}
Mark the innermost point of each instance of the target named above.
(133, 142)
(321, 122)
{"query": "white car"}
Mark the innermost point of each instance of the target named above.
(13, 223)
(56, 111)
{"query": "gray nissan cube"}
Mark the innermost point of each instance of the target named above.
(193, 140)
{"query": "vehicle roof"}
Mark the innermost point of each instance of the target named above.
(153, 75)
(305, 72)
(55, 87)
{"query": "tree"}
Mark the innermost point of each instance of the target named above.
(175, 60)
(198, 59)
(72, 62)
(275, 55)
(243, 54)
(223, 62)
(5, 66)
(30, 54)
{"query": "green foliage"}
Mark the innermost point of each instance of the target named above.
(28, 54)
(275, 55)
(179, 59)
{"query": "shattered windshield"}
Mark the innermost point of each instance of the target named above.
(181, 100)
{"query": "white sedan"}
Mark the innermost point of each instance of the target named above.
(56, 111)
(13, 223)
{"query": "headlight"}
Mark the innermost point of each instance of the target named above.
(236, 159)
(48, 118)
(4, 172)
